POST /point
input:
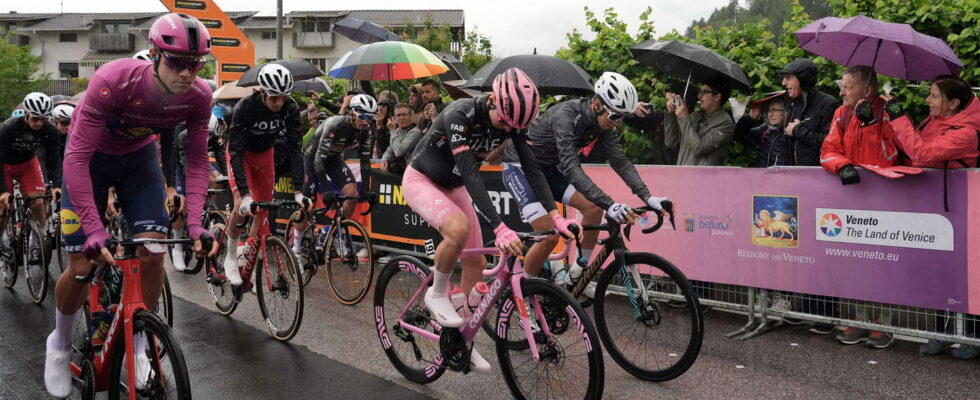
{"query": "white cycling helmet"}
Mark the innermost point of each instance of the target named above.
(38, 104)
(62, 111)
(364, 104)
(616, 92)
(143, 55)
(275, 80)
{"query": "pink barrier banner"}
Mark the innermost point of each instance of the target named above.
(798, 229)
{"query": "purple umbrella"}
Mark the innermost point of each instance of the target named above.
(891, 49)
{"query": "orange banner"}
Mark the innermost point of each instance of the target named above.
(229, 46)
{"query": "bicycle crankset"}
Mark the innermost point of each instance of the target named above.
(455, 353)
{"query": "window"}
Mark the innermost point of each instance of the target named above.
(268, 35)
(319, 62)
(311, 24)
(115, 27)
(68, 70)
(67, 37)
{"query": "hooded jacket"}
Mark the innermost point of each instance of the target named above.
(813, 108)
(939, 140)
(851, 143)
(772, 146)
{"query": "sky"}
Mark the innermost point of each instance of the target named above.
(540, 25)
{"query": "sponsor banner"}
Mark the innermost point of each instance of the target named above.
(885, 228)
(225, 42)
(798, 229)
(190, 5)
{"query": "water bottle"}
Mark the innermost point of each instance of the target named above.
(476, 295)
(99, 329)
(472, 301)
(321, 238)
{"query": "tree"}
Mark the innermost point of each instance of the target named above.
(429, 35)
(477, 50)
(17, 72)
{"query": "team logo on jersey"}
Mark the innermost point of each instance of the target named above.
(69, 222)
(139, 131)
(105, 92)
(137, 102)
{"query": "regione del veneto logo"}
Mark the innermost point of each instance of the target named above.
(885, 228)
(774, 221)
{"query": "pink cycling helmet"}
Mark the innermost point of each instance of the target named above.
(180, 33)
(516, 98)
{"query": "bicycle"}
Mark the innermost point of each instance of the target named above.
(348, 276)
(54, 236)
(283, 288)
(558, 332)
(116, 227)
(631, 304)
(23, 239)
(212, 215)
(98, 357)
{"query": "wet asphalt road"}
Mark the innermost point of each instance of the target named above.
(336, 355)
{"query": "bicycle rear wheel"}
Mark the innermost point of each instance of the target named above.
(349, 277)
(160, 370)
(60, 254)
(281, 299)
(222, 293)
(570, 364)
(642, 333)
(415, 357)
(35, 261)
(83, 384)
(307, 258)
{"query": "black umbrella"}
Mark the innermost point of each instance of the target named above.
(316, 84)
(363, 31)
(457, 70)
(552, 75)
(690, 61)
(298, 67)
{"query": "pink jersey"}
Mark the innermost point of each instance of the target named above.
(121, 112)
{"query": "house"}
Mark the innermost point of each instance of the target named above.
(74, 45)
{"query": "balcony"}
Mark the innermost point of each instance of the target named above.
(112, 42)
(312, 40)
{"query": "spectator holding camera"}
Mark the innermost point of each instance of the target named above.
(703, 136)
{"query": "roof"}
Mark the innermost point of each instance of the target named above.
(81, 21)
(244, 19)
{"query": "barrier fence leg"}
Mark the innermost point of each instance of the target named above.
(765, 325)
(751, 316)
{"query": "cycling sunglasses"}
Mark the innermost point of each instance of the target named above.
(181, 63)
(364, 117)
(63, 122)
(613, 116)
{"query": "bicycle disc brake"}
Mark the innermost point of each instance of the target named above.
(553, 313)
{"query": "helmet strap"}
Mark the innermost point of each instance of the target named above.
(156, 72)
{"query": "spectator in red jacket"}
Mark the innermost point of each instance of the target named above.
(861, 132)
(948, 137)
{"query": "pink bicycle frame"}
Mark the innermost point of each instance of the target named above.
(471, 326)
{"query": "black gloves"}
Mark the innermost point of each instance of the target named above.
(848, 175)
(894, 109)
(864, 113)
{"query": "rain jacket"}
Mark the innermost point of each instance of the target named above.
(939, 140)
(813, 108)
(850, 143)
(772, 146)
(703, 138)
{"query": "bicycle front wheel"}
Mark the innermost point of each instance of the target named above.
(160, 371)
(35, 261)
(413, 355)
(165, 304)
(570, 362)
(350, 262)
(222, 293)
(281, 298)
(650, 339)
(8, 255)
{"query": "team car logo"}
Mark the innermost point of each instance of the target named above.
(69, 222)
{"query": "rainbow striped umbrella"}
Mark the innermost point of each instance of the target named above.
(384, 61)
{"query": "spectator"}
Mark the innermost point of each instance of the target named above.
(703, 137)
(313, 117)
(404, 138)
(948, 137)
(809, 111)
(430, 92)
(381, 130)
(772, 147)
(860, 133)
(389, 97)
(322, 102)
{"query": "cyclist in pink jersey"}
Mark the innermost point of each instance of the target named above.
(128, 103)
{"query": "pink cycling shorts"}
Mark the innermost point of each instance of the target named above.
(435, 203)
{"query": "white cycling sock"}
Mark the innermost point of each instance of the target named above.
(64, 325)
(440, 284)
(297, 240)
